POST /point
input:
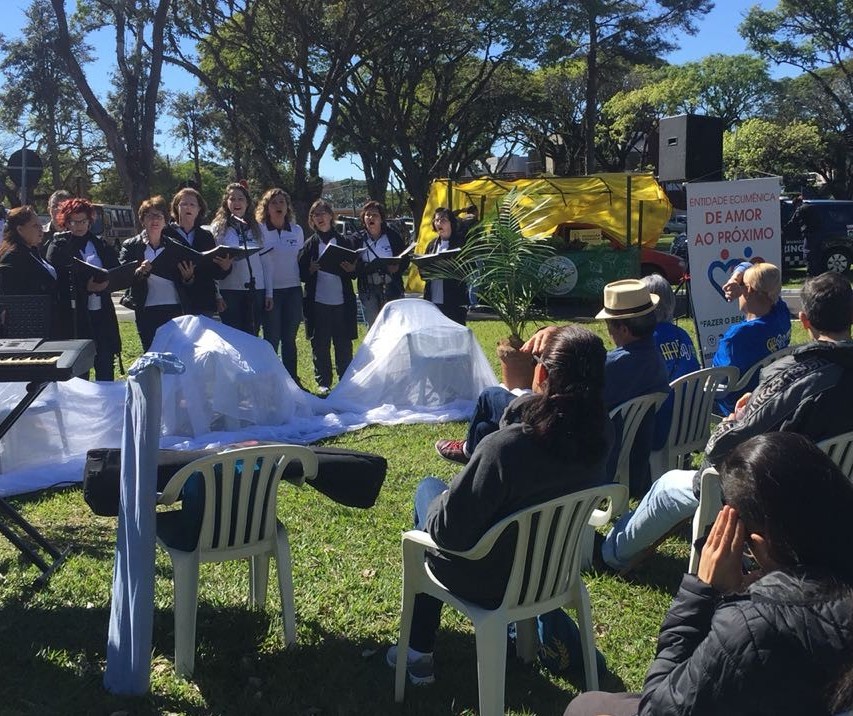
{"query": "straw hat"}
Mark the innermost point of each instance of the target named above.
(627, 299)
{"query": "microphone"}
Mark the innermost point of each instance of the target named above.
(238, 222)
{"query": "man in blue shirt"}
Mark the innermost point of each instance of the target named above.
(633, 368)
(765, 330)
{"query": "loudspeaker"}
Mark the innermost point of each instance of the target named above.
(690, 148)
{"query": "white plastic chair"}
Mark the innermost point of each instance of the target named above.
(750, 372)
(693, 402)
(632, 413)
(710, 504)
(238, 521)
(552, 533)
(840, 451)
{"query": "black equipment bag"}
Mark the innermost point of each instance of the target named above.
(348, 477)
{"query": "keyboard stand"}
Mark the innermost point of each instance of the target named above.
(12, 525)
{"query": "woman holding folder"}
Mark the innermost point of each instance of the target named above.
(198, 286)
(242, 302)
(85, 300)
(23, 272)
(449, 296)
(153, 295)
(330, 310)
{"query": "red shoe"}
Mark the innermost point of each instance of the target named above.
(453, 450)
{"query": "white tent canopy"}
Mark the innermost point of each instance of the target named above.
(414, 366)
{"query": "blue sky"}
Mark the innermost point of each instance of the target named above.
(717, 33)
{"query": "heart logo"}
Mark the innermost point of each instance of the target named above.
(716, 268)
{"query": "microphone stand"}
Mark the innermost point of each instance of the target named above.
(242, 229)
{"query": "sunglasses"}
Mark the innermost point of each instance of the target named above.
(536, 359)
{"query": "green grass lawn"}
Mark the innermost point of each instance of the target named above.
(346, 573)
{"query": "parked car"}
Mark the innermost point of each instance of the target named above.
(834, 227)
(669, 265)
(114, 223)
(346, 225)
(676, 225)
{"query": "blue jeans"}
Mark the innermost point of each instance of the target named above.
(426, 613)
(491, 404)
(282, 323)
(669, 502)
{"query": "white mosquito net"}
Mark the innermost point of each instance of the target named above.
(414, 366)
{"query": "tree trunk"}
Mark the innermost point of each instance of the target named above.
(591, 97)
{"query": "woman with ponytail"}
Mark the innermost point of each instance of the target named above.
(556, 442)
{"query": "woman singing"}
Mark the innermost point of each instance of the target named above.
(91, 313)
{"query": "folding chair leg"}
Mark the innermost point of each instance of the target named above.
(259, 574)
(185, 568)
(407, 611)
(585, 626)
(285, 585)
(491, 665)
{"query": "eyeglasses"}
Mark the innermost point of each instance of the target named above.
(154, 216)
(77, 222)
(371, 215)
(536, 359)
(187, 204)
(318, 213)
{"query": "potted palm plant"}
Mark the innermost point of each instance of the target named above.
(510, 272)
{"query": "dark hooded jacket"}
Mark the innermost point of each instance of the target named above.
(772, 651)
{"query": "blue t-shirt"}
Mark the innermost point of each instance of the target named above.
(630, 371)
(744, 344)
(679, 355)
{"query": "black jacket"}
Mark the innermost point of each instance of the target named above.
(133, 249)
(773, 650)
(199, 296)
(23, 274)
(368, 266)
(62, 249)
(455, 292)
(309, 252)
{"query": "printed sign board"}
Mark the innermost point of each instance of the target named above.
(729, 222)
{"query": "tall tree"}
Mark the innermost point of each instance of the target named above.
(193, 126)
(128, 121)
(602, 31)
(815, 36)
(39, 99)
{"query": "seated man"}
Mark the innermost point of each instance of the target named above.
(765, 330)
(633, 368)
(809, 392)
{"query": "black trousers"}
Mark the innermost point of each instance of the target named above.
(330, 327)
(150, 318)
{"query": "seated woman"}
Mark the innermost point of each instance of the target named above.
(777, 640)
(766, 327)
(559, 444)
(23, 272)
(449, 296)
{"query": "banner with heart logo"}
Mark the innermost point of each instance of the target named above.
(729, 222)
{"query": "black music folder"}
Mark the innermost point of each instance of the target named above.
(384, 261)
(166, 264)
(334, 255)
(425, 262)
(119, 278)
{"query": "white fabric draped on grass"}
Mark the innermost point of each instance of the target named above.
(414, 366)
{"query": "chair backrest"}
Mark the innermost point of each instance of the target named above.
(748, 374)
(693, 401)
(840, 451)
(547, 550)
(240, 494)
(710, 504)
(631, 414)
